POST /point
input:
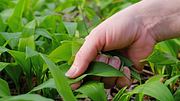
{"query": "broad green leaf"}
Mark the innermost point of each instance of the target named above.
(3, 65)
(26, 42)
(94, 69)
(27, 37)
(62, 85)
(102, 69)
(154, 89)
(169, 46)
(15, 20)
(64, 52)
(46, 84)
(163, 58)
(4, 88)
(29, 29)
(30, 52)
(70, 27)
(26, 97)
(93, 90)
(49, 23)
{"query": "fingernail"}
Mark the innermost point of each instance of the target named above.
(71, 72)
(127, 72)
(102, 58)
(115, 62)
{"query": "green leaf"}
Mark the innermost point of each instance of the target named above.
(26, 97)
(43, 32)
(62, 85)
(26, 42)
(29, 29)
(174, 78)
(177, 95)
(119, 94)
(70, 27)
(163, 58)
(94, 69)
(21, 59)
(4, 88)
(48, 23)
(11, 38)
(3, 65)
(93, 90)
(154, 89)
(65, 51)
(3, 25)
(104, 70)
(27, 37)
(155, 78)
(14, 73)
(47, 84)
(30, 52)
(15, 20)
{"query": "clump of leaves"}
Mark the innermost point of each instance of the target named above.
(38, 43)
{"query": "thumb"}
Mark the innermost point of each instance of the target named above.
(85, 55)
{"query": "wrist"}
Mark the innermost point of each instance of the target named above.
(160, 18)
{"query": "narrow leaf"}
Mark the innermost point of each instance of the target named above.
(62, 85)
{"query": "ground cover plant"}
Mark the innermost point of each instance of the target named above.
(38, 43)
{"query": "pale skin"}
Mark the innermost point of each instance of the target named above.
(133, 31)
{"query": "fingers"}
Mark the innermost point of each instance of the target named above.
(76, 85)
(110, 81)
(84, 56)
(101, 58)
(126, 80)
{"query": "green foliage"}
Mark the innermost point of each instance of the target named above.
(4, 89)
(40, 38)
(94, 90)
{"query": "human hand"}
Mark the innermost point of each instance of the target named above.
(133, 31)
